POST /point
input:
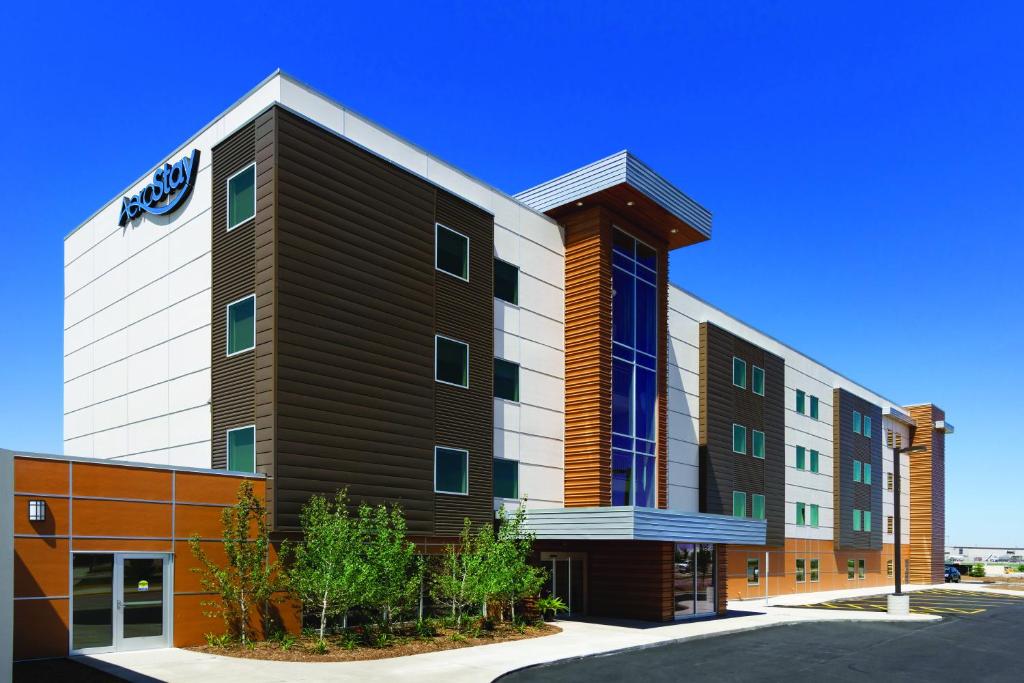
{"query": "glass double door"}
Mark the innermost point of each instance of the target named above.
(119, 601)
(566, 579)
(694, 579)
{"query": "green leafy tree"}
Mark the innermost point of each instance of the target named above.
(514, 578)
(329, 572)
(247, 583)
(456, 574)
(978, 570)
(393, 569)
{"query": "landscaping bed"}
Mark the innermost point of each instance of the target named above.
(355, 646)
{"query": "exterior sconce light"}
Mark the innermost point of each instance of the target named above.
(37, 510)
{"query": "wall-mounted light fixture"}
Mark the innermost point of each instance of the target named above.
(37, 510)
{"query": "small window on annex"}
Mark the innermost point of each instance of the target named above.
(506, 281)
(814, 571)
(506, 380)
(241, 327)
(814, 461)
(801, 458)
(451, 470)
(451, 252)
(506, 478)
(739, 504)
(758, 444)
(739, 439)
(814, 407)
(757, 506)
(800, 575)
(451, 361)
(757, 380)
(753, 572)
(241, 196)
(739, 372)
(241, 449)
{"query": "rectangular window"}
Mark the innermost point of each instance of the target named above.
(801, 514)
(451, 470)
(867, 520)
(506, 380)
(814, 515)
(867, 427)
(800, 577)
(888, 524)
(506, 282)
(888, 567)
(801, 458)
(860, 569)
(856, 520)
(451, 252)
(739, 372)
(757, 503)
(739, 439)
(758, 444)
(753, 572)
(856, 422)
(241, 196)
(739, 504)
(814, 461)
(757, 380)
(851, 569)
(800, 399)
(242, 449)
(866, 478)
(856, 470)
(242, 325)
(814, 571)
(814, 407)
(888, 481)
(451, 361)
(506, 478)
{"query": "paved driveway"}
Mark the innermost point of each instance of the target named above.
(941, 601)
(967, 645)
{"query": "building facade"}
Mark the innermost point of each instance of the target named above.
(297, 293)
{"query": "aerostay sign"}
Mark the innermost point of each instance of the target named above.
(172, 184)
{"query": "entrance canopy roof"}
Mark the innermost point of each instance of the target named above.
(629, 523)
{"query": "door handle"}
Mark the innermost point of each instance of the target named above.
(120, 605)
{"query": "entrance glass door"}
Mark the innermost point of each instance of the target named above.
(120, 601)
(566, 579)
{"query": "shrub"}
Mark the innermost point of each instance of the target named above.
(213, 640)
(320, 647)
(978, 570)
(550, 606)
(249, 581)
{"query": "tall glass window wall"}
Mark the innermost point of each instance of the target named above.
(634, 370)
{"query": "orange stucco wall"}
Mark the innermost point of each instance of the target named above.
(104, 507)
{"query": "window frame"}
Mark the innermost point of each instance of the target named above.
(754, 370)
(865, 475)
(227, 326)
(495, 288)
(734, 427)
(801, 402)
(227, 448)
(801, 514)
(518, 367)
(888, 481)
(890, 523)
(757, 571)
(857, 419)
(800, 570)
(851, 570)
(857, 467)
(739, 496)
(814, 464)
(866, 427)
(441, 381)
(858, 524)
(437, 243)
(865, 524)
(814, 567)
(465, 459)
(861, 569)
(227, 196)
(735, 360)
(754, 497)
(753, 444)
(814, 515)
(814, 411)
(518, 468)
(888, 567)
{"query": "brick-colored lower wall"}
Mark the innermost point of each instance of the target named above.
(780, 575)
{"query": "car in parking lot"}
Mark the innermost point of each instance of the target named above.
(952, 574)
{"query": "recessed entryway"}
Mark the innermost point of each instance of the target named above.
(120, 601)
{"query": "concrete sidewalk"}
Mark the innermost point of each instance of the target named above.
(477, 664)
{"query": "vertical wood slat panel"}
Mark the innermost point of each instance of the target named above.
(927, 496)
(588, 295)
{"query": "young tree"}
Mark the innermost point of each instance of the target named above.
(393, 569)
(249, 580)
(329, 570)
(456, 579)
(514, 578)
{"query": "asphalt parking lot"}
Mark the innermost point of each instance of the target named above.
(979, 641)
(947, 602)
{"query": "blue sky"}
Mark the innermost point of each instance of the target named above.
(863, 165)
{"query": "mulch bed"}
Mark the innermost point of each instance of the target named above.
(302, 650)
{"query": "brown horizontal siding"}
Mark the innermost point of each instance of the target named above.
(848, 495)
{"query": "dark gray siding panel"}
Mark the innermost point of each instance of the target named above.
(355, 327)
(233, 277)
(721, 405)
(465, 417)
(847, 494)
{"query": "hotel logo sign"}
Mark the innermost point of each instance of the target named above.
(172, 184)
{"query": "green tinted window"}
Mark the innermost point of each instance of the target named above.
(739, 372)
(506, 478)
(739, 439)
(452, 252)
(860, 569)
(800, 398)
(814, 570)
(242, 325)
(866, 476)
(801, 458)
(801, 514)
(814, 407)
(451, 362)
(241, 197)
(758, 444)
(242, 449)
(451, 470)
(851, 568)
(506, 282)
(814, 515)
(867, 520)
(867, 426)
(739, 504)
(856, 520)
(757, 503)
(506, 380)
(757, 380)
(799, 571)
(856, 470)
(814, 461)
(856, 422)
(753, 572)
